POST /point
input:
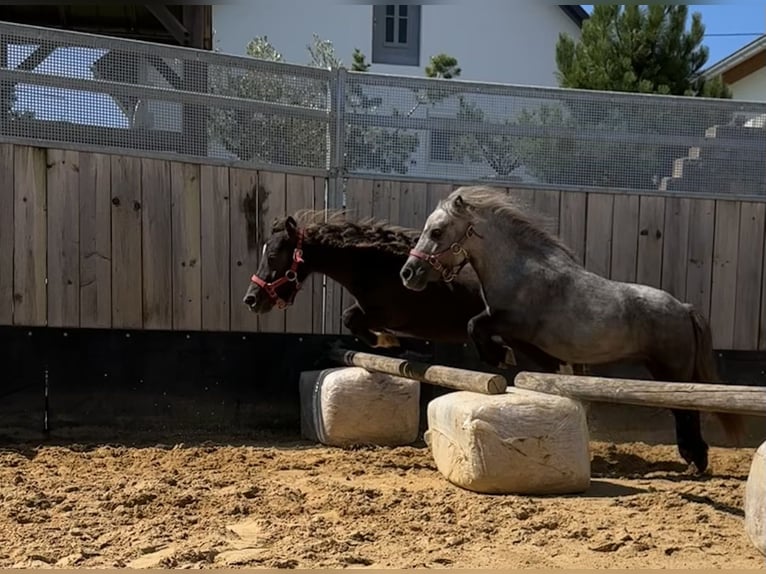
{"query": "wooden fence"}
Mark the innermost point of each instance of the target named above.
(109, 241)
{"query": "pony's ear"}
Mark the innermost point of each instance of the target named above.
(277, 224)
(291, 226)
(459, 203)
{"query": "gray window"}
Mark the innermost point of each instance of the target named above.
(396, 34)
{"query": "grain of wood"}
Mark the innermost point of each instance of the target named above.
(333, 289)
(244, 244)
(271, 200)
(675, 246)
(724, 287)
(318, 284)
(95, 241)
(624, 259)
(747, 300)
(449, 377)
(30, 237)
(573, 222)
(699, 263)
(6, 234)
(547, 203)
(598, 234)
(156, 244)
(187, 276)
(127, 281)
(651, 224)
(735, 399)
(300, 195)
(63, 285)
(215, 251)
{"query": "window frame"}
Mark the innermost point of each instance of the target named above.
(396, 53)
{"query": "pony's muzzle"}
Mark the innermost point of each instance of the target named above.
(413, 275)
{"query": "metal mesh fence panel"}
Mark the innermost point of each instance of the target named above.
(463, 131)
(114, 94)
(120, 94)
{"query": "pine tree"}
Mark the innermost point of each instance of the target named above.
(644, 49)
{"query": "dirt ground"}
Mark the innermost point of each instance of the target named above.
(291, 504)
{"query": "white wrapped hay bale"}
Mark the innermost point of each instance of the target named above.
(351, 406)
(755, 500)
(519, 442)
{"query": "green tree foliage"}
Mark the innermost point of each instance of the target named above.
(284, 140)
(636, 49)
(443, 66)
(273, 137)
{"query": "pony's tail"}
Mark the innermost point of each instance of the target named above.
(705, 371)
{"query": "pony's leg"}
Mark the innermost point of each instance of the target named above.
(691, 446)
(481, 329)
(357, 321)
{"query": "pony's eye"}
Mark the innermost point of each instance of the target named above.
(436, 233)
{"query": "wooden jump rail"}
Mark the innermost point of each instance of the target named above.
(734, 399)
(450, 377)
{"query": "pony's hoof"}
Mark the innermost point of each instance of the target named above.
(386, 341)
(698, 462)
(510, 358)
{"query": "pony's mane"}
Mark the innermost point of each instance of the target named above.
(496, 201)
(332, 229)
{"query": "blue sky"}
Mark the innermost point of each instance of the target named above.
(727, 18)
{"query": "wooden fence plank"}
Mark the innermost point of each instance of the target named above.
(724, 288)
(156, 245)
(63, 188)
(675, 246)
(598, 234)
(547, 203)
(413, 205)
(127, 284)
(333, 290)
(624, 259)
(6, 234)
(300, 195)
(271, 199)
(360, 205)
(572, 221)
(215, 248)
(95, 241)
(651, 224)
(360, 199)
(383, 194)
(318, 283)
(244, 244)
(187, 273)
(524, 197)
(747, 302)
(437, 192)
(30, 243)
(699, 263)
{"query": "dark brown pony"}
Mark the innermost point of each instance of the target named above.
(365, 258)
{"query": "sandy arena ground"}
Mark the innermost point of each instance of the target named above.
(299, 505)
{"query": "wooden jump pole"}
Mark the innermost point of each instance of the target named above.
(450, 377)
(734, 399)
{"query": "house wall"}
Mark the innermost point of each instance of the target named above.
(493, 40)
(751, 88)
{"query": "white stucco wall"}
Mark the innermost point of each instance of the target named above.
(493, 40)
(751, 88)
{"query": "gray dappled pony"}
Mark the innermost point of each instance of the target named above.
(536, 291)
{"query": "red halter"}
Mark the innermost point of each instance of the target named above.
(290, 276)
(434, 259)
